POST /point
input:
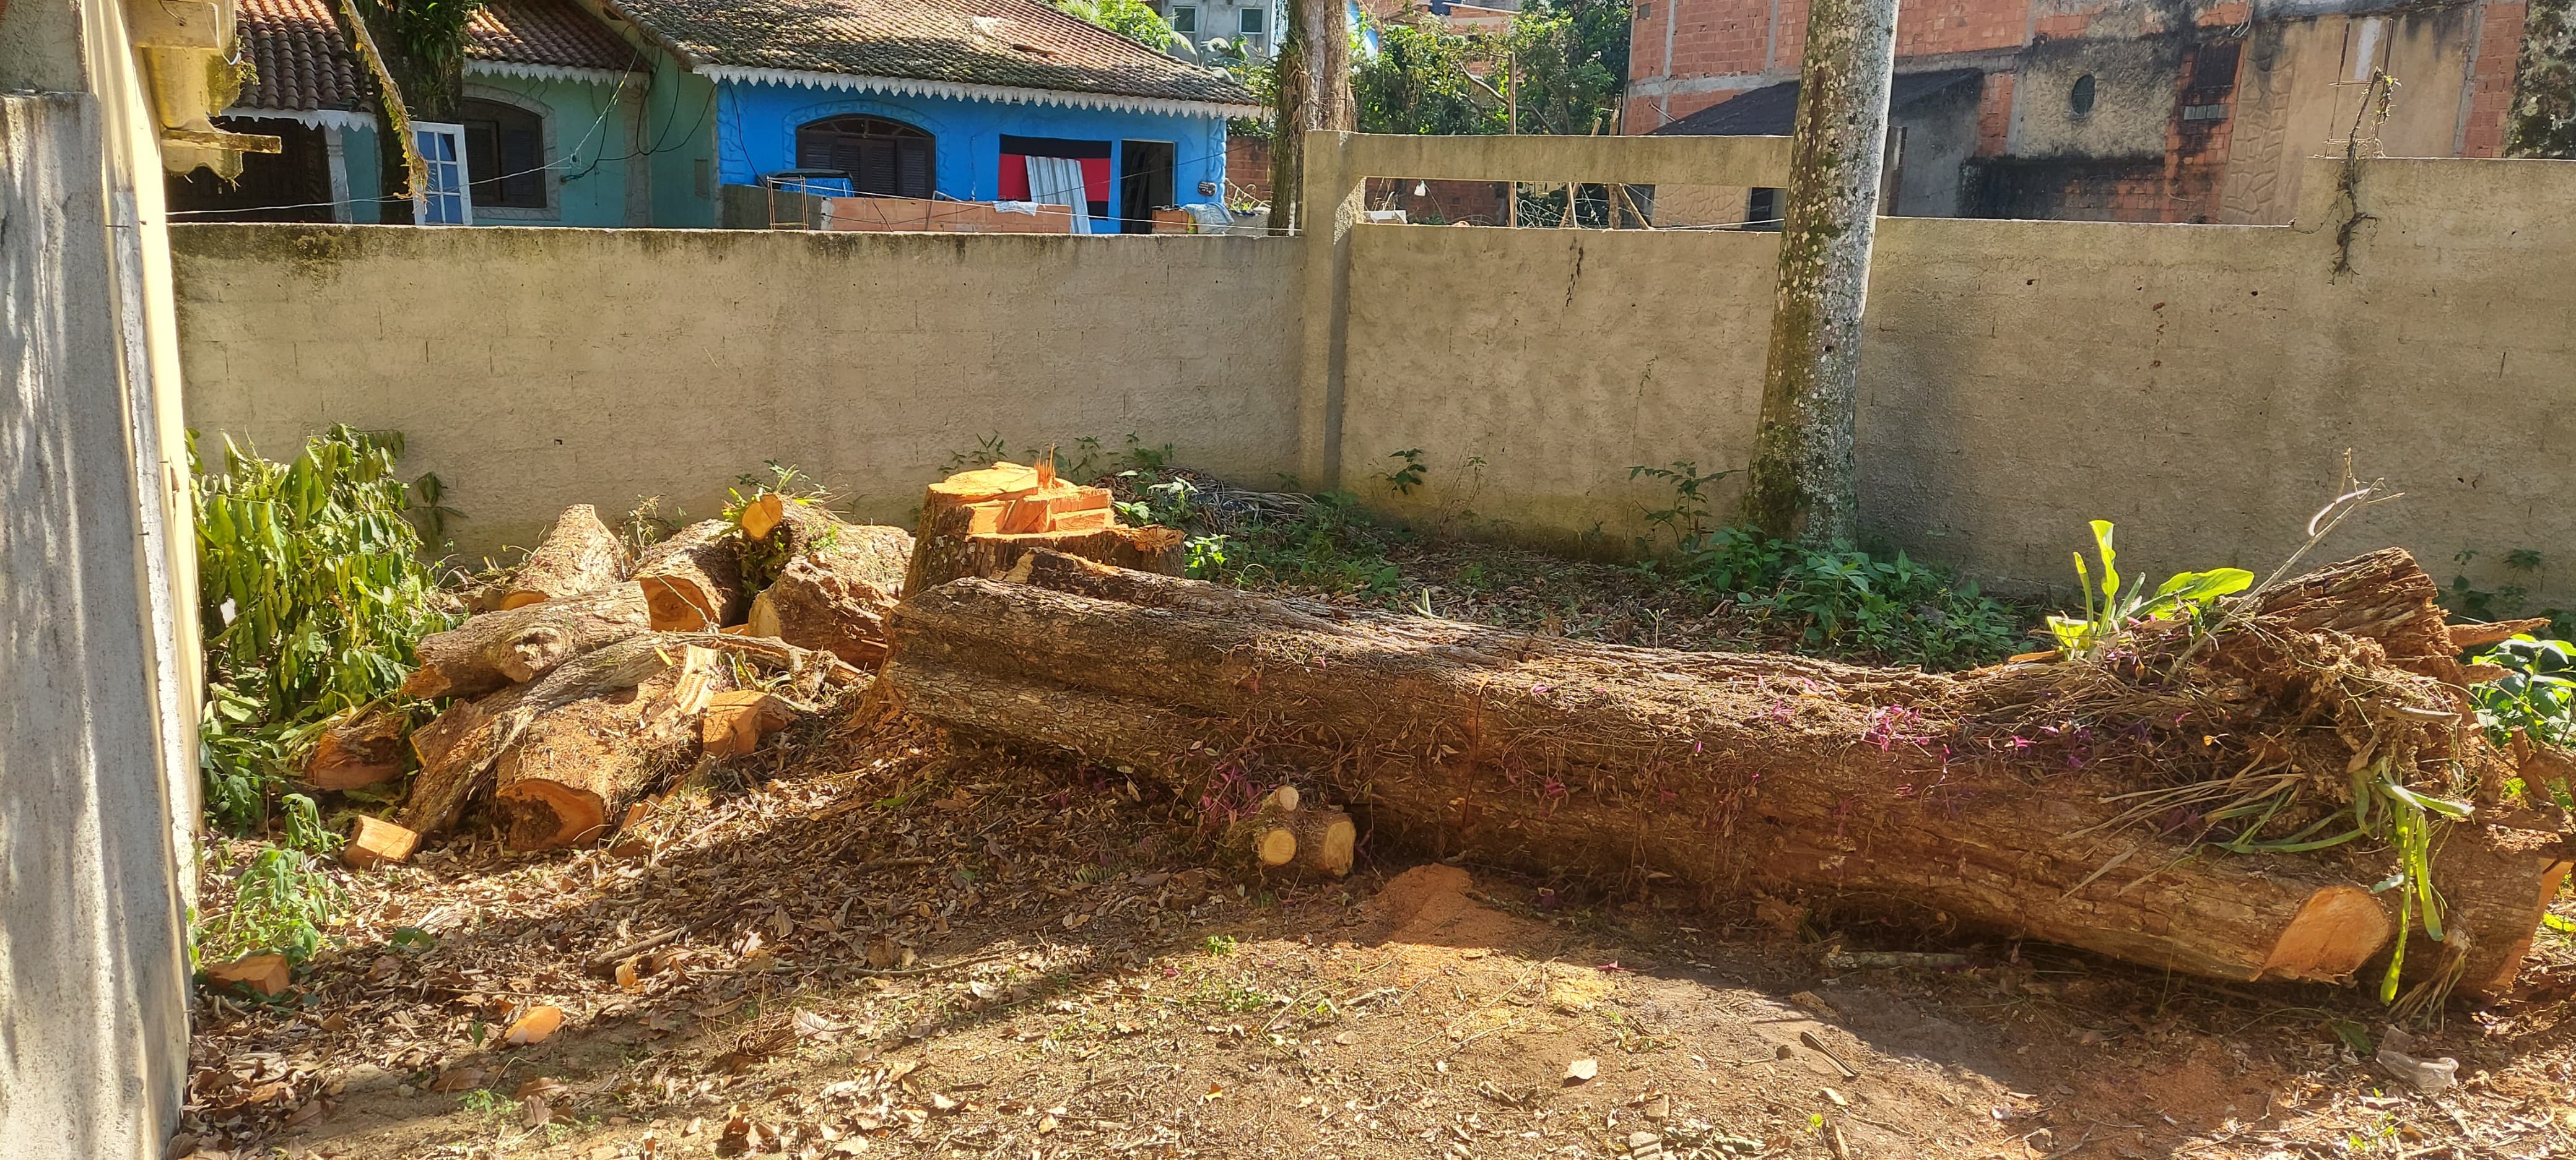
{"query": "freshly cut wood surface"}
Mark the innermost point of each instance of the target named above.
(375, 842)
(1798, 774)
(735, 722)
(1288, 835)
(693, 580)
(496, 649)
(578, 555)
(359, 750)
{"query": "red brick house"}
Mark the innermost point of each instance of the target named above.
(2176, 111)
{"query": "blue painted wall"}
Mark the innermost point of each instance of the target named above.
(756, 134)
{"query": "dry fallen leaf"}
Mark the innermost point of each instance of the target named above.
(458, 1080)
(1582, 1070)
(535, 1026)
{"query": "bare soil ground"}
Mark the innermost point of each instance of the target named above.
(884, 942)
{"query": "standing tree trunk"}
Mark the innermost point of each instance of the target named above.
(1314, 93)
(1803, 484)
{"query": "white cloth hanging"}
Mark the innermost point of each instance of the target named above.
(1058, 181)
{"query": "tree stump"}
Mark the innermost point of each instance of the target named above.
(980, 523)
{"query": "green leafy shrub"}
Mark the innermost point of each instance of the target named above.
(1848, 601)
(2538, 699)
(312, 593)
(280, 901)
(1332, 545)
(2182, 594)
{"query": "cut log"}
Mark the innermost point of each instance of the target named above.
(1285, 836)
(2468, 636)
(579, 555)
(735, 722)
(1991, 795)
(497, 649)
(457, 751)
(575, 766)
(693, 580)
(360, 749)
(266, 974)
(376, 842)
(831, 602)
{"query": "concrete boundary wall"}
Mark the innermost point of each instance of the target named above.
(535, 368)
(2195, 384)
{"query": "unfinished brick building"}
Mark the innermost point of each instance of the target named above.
(2130, 110)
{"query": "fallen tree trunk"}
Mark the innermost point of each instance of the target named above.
(1994, 795)
(578, 555)
(497, 649)
(694, 579)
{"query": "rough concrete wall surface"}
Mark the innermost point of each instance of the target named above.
(536, 368)
(93, 1024)
(2194, 384)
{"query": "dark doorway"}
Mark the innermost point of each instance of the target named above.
(880, 156)
(1146, 186)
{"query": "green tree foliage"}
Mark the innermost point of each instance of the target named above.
(1419, 83)
(1569, 58)
(312, 593)
(1133, 19)
(2542, 122)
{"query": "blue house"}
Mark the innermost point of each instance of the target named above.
(966, 100)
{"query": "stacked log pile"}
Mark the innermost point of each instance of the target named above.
(2019, 797)
(592, 676)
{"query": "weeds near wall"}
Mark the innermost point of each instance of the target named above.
(312, 592)
(1840, 600)
(2375, 105)
(2537, 699)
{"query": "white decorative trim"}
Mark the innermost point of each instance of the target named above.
(542, 72)
(310, 118)
(911, 87)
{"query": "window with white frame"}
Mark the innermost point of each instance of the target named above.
(442, 200)
(1253, 23)
(1185, 19)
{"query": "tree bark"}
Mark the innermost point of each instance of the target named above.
(1981, 794)
(835, 602)
(496, 649)
(579, 555)
(458, 750)
(693, 580)
(1314, 72)
(1803, 484)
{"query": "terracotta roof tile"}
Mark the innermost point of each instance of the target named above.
(304, 62)
(1024, 44)
(543, 32)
